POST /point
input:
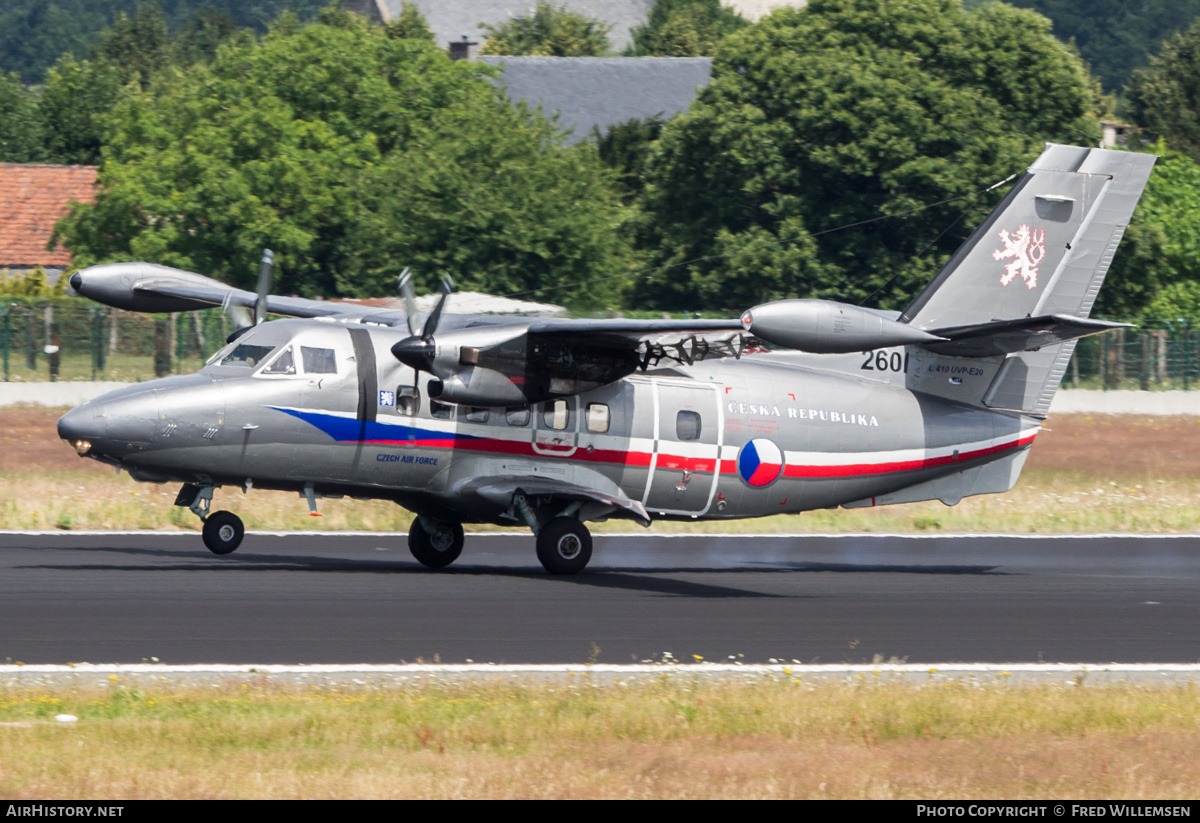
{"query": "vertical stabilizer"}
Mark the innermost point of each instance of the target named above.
(1044, 250)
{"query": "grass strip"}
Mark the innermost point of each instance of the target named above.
(673, 738)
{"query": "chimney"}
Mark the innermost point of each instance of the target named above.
(465, 49)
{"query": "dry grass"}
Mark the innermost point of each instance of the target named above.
(1087, 474)
(671, 739)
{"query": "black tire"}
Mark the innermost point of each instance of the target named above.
(436, 551)
(564, 546)
(223, 532)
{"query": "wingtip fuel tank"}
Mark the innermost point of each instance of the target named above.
(826, 327)
(139, 286)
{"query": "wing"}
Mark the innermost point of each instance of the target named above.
(145, 287)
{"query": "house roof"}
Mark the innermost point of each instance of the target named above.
(32, 199)
(587, 92)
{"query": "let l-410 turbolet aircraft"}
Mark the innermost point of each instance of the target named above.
(553, 423)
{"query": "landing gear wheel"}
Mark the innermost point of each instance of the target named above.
(437, 550)
(223, 532)
(564, 546)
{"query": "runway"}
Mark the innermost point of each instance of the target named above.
(309, 598)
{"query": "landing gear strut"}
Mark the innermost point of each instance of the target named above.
(223, 531)
(435, 543)
(564, 546)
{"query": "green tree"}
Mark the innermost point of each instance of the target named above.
(410, 24)
(198, 39)
(551, 31)
(20, 134)
(75, 101)
(35, 34)
(1165, 97)
(1160, 253)
(352, 155)
(819, 121)
(138, 44)
(1115, 36)
(684, 28)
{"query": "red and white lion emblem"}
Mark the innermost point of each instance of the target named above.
(1027, 248)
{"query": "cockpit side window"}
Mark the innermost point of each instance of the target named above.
(247, 355)
(285, 363)
(318, 361)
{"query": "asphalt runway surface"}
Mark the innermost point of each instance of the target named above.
(308, 598)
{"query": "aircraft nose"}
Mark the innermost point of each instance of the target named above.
(81, 427)
(114, 424)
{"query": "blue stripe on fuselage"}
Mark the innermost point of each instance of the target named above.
(351, 430)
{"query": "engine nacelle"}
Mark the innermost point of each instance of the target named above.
(826, 327)
(505, 366)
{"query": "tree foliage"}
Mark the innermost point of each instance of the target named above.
(550, 31)
(1165, 97)
(34, 34)
(820, 121)
(351, 154)
(74, 103)
(20, 129)
(684, 28)
(1160, 253)
(1115, 36)
(410, 24)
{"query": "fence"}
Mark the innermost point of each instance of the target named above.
(73, 339)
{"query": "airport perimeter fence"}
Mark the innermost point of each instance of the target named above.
(73, 339)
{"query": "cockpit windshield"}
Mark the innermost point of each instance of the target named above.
(247, 354)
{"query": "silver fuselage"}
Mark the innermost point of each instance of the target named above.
(770, 433)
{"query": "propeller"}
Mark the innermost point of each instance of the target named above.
(242, 321)
(415, 351)
(405, 285)
(264, 286)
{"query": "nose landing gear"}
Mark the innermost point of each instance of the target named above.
(223, 531)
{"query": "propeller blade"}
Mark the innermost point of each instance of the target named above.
(434, 316)
(264, 286)
(410, 301)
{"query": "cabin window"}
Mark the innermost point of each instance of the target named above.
(557, 415)
(408, 400)
(687, 425)
(597, 418)
(517, 415)
(473, 414)
(247, 355)
(285, 363)
(318, 361)
(440, 410)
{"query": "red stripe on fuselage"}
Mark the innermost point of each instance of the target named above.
(490, 445)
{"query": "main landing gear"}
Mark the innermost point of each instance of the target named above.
(564, 544)
(435, 543)
(223, 531)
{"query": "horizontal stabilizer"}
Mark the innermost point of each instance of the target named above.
(1025, 334)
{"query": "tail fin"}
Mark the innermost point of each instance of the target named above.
(1043, 251)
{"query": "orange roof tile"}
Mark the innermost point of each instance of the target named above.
(32, 199)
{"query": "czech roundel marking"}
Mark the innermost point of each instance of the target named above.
(759, 463)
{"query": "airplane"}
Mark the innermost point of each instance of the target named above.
(551, 424)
